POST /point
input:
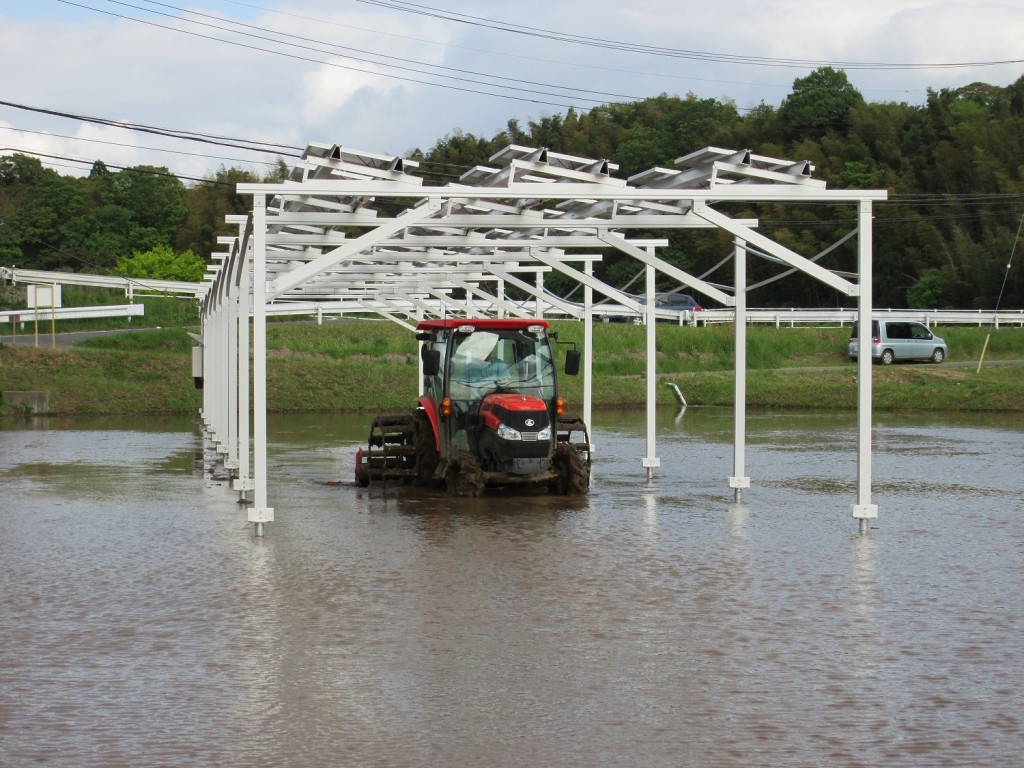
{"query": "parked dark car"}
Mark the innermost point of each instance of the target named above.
(673, 302)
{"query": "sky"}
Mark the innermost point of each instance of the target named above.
(248, 81)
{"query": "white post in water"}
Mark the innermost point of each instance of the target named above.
(230, 361)
(588, 353)
(651, 461)
(244, 482)
(739, 479)
(259, 512)
(864, 510)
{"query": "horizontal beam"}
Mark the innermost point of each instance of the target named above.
(565, 191)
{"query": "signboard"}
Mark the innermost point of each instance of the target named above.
(43, 296)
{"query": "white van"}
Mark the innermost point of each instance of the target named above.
(893, 339)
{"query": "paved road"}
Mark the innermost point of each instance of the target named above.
(63, 340)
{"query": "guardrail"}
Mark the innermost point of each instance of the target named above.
(794, 317)
(132, 286)
(15, 316)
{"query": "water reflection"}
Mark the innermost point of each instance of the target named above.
(649, 623)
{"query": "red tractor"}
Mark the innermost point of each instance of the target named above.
(490, 414)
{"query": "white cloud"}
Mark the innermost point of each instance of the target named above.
(91, 64)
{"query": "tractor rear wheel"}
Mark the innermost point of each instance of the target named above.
(426, 449)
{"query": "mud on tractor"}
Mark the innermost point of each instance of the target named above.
(490, 414)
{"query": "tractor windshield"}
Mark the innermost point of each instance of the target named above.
(510, 360)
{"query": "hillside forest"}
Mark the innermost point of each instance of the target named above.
(953, 168)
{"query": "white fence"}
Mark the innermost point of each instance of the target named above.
(793, 317)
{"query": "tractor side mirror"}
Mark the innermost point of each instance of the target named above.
(431, 361)
(572, 362)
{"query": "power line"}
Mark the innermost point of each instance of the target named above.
(133, 146)
(597, 42)
(506, 54)
(1009, 261)
(130, 169)
(418, 64)
(336, 65)
(205, 138)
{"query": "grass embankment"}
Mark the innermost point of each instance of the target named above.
(804, 368)
(370, 365)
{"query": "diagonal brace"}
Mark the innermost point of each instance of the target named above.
(685, 278)
(508, 277)
(775, 249)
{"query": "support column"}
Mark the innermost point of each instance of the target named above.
(244, 483)
(217, 376)
(651, 461)
(205, 332)
(864, 510)
(539, 314)
(259, 513)
(230, 360)
(588, 354)
(739, 479)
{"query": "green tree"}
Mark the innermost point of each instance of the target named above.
(35, 202)
(154, 196)
(820, 102)
(162, 263)
(208, 203)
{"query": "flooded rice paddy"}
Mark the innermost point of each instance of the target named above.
(648, 624)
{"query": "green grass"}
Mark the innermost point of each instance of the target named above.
(160, 311)
(85, 382)
(370, 365)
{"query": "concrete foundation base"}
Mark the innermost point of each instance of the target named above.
(30, 402)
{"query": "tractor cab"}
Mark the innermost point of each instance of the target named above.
(493, 384)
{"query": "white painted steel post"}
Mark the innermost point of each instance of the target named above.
(260, 512)
(244, 482)
(539, 302)
(205, 332)
(588, 353)
(217, 376)
(421, 384)
(864, 510)
(739, 479)
(231, 361)
(651, 460)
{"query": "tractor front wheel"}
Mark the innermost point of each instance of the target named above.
(464, 478)
(573, 473)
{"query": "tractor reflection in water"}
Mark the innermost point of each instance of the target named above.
(490, 414)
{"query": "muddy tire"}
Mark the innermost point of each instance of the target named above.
(362, 476)
(426, 450)
(573, 472)
(465, 478)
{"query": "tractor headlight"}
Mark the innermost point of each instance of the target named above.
(544, 434)
(506, 432)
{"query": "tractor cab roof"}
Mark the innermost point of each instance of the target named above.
(482, 323)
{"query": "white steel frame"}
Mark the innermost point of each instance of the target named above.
(507, 224)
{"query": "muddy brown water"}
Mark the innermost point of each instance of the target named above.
(648, 624)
